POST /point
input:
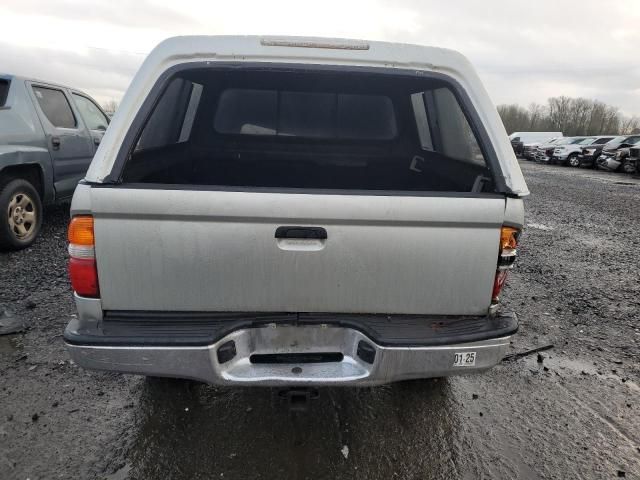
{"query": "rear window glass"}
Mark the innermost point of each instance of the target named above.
(305, 129)
(305, 114)
(4, 91)
(55, 106)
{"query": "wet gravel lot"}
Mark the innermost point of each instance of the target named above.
(572, 413)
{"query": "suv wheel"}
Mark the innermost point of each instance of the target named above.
(573, 160)
(629, 167)
(20, 214)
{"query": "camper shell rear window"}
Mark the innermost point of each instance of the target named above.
(293, 127)
(325, 115)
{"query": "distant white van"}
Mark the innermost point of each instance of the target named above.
(533, 137)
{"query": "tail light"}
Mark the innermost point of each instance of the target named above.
(83, 271)
(506, 259)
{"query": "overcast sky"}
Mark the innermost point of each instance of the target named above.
(524, 50)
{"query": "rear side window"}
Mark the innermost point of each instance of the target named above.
(55, 106)
(173, 116)
(92, 115)
(305, 129)
(443, 126)
(4, 91)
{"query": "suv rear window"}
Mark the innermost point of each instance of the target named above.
(4, 91)
(304, 129)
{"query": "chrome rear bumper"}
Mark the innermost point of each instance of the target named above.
(381, 364)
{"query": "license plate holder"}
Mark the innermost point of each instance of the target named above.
(464, 359)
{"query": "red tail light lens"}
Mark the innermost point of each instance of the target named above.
(83, 270)
(84, 277)
(498, 283)
(507, 256)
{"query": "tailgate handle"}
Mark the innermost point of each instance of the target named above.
(314, 233)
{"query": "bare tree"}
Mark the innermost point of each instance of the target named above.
(560, 112)
(537, 113)
(572, 116)
(629, 125)
(514, 117)
(596, 119)
(581, 111)
(612, 120)
(110, 106)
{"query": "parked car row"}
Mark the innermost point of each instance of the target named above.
(521, 141)
(606, 152)
(620, 155)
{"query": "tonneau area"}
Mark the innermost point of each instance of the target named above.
(192, 329)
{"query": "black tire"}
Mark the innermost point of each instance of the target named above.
(20, 214)
(629, 167)
(573, 160)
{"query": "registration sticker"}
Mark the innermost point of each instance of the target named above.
(464, 359)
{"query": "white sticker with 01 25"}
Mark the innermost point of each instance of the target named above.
(464, 359)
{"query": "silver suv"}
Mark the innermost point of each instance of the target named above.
(294, 211)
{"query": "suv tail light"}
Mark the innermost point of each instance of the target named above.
(83, 271)
(506, 259)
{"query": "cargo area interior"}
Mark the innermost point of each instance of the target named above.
(308, 128)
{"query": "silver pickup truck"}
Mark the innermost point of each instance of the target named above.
(296, 211)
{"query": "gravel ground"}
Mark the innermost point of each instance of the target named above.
(575, 414)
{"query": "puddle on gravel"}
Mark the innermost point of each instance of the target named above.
(405, 430)
(577, 367)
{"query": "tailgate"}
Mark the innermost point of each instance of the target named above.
(209, 250)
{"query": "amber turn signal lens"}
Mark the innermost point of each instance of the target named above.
(81, 230)
(509, 238)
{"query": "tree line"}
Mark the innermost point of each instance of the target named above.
(110, 106)
(571, 116)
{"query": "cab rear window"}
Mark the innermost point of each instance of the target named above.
(299, 128)
(305, 114)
